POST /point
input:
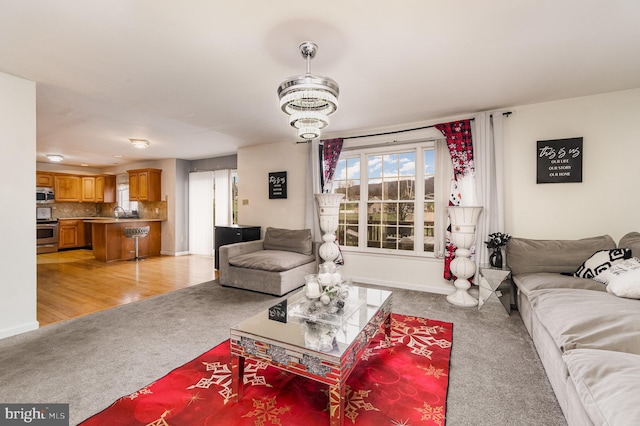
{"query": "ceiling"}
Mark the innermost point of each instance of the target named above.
(198, 78)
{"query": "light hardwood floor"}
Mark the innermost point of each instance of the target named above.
(72, 283)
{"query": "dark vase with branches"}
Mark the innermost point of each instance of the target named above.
(496, 241)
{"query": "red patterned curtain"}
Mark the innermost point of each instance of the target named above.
(331, 149)
(460, 143)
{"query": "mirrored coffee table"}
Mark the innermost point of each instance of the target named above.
(290, 347)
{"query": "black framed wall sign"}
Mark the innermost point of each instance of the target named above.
(559, 160)
(277, 185)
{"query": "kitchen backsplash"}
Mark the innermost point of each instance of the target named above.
(146, 210)
(65, 210)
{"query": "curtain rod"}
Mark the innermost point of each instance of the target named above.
(506, 114)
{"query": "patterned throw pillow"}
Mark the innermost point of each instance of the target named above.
(601, 261)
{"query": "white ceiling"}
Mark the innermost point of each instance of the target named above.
(198, 78)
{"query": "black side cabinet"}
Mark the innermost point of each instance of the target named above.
(234, 234)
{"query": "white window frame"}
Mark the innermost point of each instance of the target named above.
(363, 153)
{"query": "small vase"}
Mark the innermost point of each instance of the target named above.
(495, 259)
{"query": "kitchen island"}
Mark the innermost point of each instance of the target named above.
(110, 243)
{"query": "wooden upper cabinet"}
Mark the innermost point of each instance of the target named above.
(144, 185)
(44, 179)
(100, 189)
(105, 189)
(108, 183)
(88, 189)
(67, 188)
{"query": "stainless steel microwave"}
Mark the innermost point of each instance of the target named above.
(44, 195)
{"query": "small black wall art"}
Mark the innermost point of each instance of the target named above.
(559, 161)
(277, 185)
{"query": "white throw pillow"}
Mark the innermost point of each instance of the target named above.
(617, 269)
(626, 285)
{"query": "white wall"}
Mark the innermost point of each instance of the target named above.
(254, 165)
(17, 217)
(606, 201)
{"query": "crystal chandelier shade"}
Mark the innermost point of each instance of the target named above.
(308, 99)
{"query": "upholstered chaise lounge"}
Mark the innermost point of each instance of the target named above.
(275, 265)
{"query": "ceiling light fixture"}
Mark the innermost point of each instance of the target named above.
(139, 143)
(55, 158)
(308, 99)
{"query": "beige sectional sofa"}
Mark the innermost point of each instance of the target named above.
(275, 265)
(588, 339)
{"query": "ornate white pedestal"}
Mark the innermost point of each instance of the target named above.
(463, 235)
(328, 210)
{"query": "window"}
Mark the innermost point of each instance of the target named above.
(389, 200)
(122, 185)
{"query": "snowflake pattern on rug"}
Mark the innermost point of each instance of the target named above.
(419, 338)
(355, 401)
(143, 391)
(435, 414)
(221, 376)
(432, 371)
(399, 381)
(265, 410)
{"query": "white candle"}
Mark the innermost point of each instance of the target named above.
(313, 289)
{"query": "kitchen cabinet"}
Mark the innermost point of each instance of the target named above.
(106, 189)
(67, 188)
(88, 189)
(110, 243)
(44, 179)
(144, 185)
(233, 234)
(70, 233)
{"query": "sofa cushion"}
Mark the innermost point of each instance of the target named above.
(631, 241)
(586, 319)
(600, 261)
(295, 240)
(529, 282)
(526, 255)
(607, 384)
(271, 260)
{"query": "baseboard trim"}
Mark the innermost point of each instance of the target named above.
(30, 326)
(174, 253)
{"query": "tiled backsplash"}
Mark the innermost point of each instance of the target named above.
(146, 210)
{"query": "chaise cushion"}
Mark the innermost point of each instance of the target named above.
(607, 384)
(587, 319)
(271, 260)
(294, 240)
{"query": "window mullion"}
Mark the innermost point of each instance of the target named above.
(364, 201)
(418, 232)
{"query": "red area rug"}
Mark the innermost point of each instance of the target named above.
(402, 382)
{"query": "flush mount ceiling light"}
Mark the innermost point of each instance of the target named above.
(139, 143)
(308, 99)
(55, 158)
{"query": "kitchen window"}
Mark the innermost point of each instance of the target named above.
(122, 185)
(389, 199)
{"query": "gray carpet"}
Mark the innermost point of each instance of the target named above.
(496, 377)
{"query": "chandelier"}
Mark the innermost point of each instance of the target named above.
(308, 99)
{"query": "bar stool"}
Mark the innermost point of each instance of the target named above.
(136, 233)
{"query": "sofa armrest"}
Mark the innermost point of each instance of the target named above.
(229, 251)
